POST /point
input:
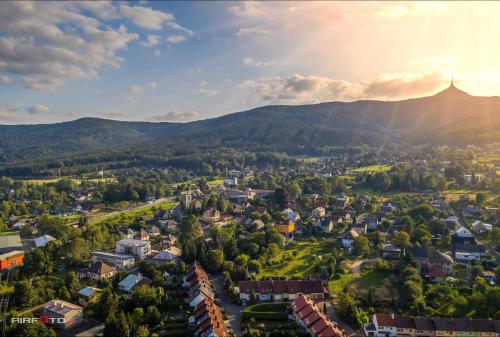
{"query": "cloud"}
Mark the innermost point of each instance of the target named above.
(397, 85)
(136, 89)
(151, 41)
(6, 79)
(177, 116)
(250, 62)
(148, 18)
(248, 9)
(49, 43)
(115, 114)
(299, 89)
(194, 71)
(38, 109)
(251, 31)
(204, 90)
(8, 113)
(157, 53)
(153, 85)
(176, 39)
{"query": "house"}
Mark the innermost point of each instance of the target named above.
(318, 212)
(452, 223)
(87, 295)
(341, 201)
(38, 242)
(471, 252)
(310, 317)
(142, 235)
(119, 261)
(325, 224)
(285, 226)
(231, 181)
(371, 221)
(154, 231)
(463, 232)
(172, 254)
(132, 282)
(11, 259)
(256, 224)
(198, 285)
(470, 211)
(481, 227)
(186, 199)
(360, 228)
(289, 214)
(62, 314)
(348, 238)
(390, 325)
(211, 215)
(437, 275)
(281, 290)
(390, 251)
(208, 320)
(387, 208)
(10, 241)
(100, 271)
(137, 248)
(169, 240)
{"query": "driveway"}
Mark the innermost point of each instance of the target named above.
(233, 311)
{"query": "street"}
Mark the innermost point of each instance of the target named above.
(232, 310)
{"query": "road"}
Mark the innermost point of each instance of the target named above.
(232, 310)
(331, 314)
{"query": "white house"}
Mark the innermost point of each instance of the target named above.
(291, 215)
(348, 238)
(463, 232)
(318, 212)
(138, 248)
(119, 261)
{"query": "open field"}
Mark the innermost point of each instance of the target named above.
(300, 263)
(276, 311)
(372, 168)
(54, 180)
(127, 216)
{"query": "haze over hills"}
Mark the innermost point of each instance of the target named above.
(450, 117)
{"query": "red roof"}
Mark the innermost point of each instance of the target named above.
(385, 320)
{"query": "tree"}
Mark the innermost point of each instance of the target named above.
(360, 246)
(254, 266)
(348, 311)
(480, 198)
(437, 226)
(215, 259)
(25, 294)
(294, 189)
(402, 239)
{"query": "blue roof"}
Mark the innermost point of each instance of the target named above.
(89, 291)
(129, 282)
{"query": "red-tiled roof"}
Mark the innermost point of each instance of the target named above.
(385, 320)
(283, 287)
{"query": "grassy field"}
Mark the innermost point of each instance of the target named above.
(372, 168)
(129, 216)
(270, 311)
(300, 263)
(54, 180)
(336, 286)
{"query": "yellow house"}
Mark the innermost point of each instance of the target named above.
(285, 226)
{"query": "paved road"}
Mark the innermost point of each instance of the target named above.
(331, 314)
(232, 310)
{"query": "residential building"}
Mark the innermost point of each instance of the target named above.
(132, 282)
(310, 317)
(62, 314)
(390, 325)
(281, 290)
(198, 285)
(469, 252)
(348, 238)
(137, 248)
(10, 241)
(11, 259)
(119, 261)
(87, 295)
(325, 224)
(169, 240)
(208, 320)
(211, 215)
(172, 254)
(390, 251)
(100, 271)
(285, 226)
(318, 212)
(291, 215)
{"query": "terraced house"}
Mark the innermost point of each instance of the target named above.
(390, 325)
(281, 290)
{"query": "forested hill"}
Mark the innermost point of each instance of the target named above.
(449, 117)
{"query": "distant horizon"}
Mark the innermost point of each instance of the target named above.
(235, 112)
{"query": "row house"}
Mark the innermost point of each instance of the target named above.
(197, 283)
(310, 317)
(208, 320)
(281, 290)
(390, 325)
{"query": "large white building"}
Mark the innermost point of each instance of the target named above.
(137, 248)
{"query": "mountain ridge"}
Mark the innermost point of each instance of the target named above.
(287, 128)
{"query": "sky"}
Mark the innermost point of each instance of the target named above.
(184, 61)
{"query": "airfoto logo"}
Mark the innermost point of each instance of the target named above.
(42, 319)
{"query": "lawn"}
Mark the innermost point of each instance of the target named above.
(270, 311)
(267, 307)
(300, 263)
(336, 286)
(54, 180)
(129, 216)
(372, 168)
